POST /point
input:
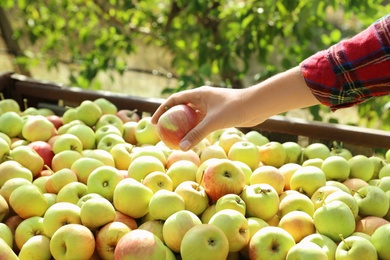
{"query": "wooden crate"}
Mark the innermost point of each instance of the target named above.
(277, 128)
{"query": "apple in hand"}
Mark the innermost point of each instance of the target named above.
(72, 241)
(204, 241)
(175, 123)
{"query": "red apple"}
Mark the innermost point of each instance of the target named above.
(44, 149)
(175, 123)
(55, 120)
(127, 115)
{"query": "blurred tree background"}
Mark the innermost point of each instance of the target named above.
(227, 43)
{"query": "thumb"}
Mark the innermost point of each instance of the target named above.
(195, 136)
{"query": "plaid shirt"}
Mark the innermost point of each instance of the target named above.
(353, 70)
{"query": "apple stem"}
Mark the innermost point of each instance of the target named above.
(47, 167)
(200, 181)
(25, 103)
(1, 96)
(342, 239)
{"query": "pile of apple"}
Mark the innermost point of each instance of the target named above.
(102, 183)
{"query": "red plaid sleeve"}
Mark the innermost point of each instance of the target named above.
(353, 70)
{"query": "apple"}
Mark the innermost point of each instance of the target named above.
(131, 192)
(40, 181)
(158, 180)
(327, 245)
(346, 198)
(317, 162)
(155, 226)
(270, 243)
(65, 127)
(372, 201)
(127, 220)
(369, 224)
(256, 138)
(176, 226)
(9, 104)
(270, 175)
(86, 197)
(245, 152)
(38, 128)
(88, 112)
(85, 134)
(222, 177)
(10, 185)
(316, 150)
(156, 151)
(108, 237)
(260, 194)
(194, 195)
(354, 184)
(231, 201)
(208, 213)
(287, 170)
(103, 181)
(361, 167)
(127, 115)
(212, 151)
(172, 202)
(319, 196)
(182, 170)
(129, 132)
(105, 130)
(324, 220)
(72, 192)
(298, 223)
(121, 152)
(355, 247)
(56, 120)
(293, 152)
(59, 179)
(384, 171)
(4, 208)
(141, 166)
(307, 180)
(178, 155)
(380, 239)
(28, 201)
(28, 228)
(13, 169)
(296, 202)
(106, 106)
(36, 247)
(379, 163)
(27, 157)
(146, 132)
(245, 169)
(83, 167)
(97, 212)
(339, 185)
(44, 150)
(306, 251)
(65, 159)
(11, 123)
(254, 225)
(6, 234)
(140, 244)
(204, 241)
(72, 241)
(4, 150)
(336, 168)
(110, 119)
(272, 153)
(229, 137)
(6, 251)
(67, 142)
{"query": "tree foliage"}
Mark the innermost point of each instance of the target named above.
(210, 42)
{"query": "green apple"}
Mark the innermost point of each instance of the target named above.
(88, 112)
(317, 162)
(293, 152)
(103, 181)
(245, 169)
(106, 106)
(254, 225)
(27, 157)
(85, 134)
(287, 171)
(307, 180)
(339, 185)
(121, 153)
(37, 247)
(260, 194)
(369, 224)
(110, 140)
(9, 104)
(378, 162)
(273, 153)
(384, 171)
(306, 251)
(67, 142)
(298, 223)
(146, 132)
(141, 166)
(346, 198)
(214, 136)
(72, 241)
(6, 251)
(4, 208)
(172, 202)
(194, 195)
(155, 226)
(156, 151)
(326, 244)
(28, 228)
(28, 201)
(270, 175)
(208, 213)
(158, 180)
(222, 177)
(245, 152)
(87, 197)
(40, 181)
(108, 237)
(72, 192)
(178, 155)
(336, 168)
(176, 226)
(316, 150)
(296, 202)
(361, 167)
(38, 128)
(355, 247)
(213, 151)
(6, 234)
(354, 184)
(372, 201)
(384, 183)
(270, 243)
(234, 225)
(256, 138)
(131, 192)
(319, 196)
(65, 159)
(324, 220)
(182, 170)
(381, 240)
(100, 154)
(83, 167)
(59, 214)
(10, 185)
(97, 212)
(59, 179)
(11, 124)
(229, 137)
(110, 119)
(231, 201)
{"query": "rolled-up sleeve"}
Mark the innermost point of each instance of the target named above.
(353, 70)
